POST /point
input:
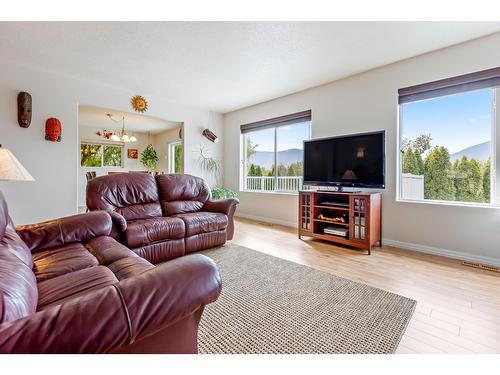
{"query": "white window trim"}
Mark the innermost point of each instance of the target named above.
(243, 165)
(171, 155)
(103, 144)
(495, 156)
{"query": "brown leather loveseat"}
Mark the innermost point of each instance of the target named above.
(66, 286)
(163, 217)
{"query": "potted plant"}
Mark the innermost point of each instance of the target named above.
(149, 158)
(212, 167)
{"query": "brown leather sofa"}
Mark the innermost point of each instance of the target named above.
(162, 217)
(67, 287)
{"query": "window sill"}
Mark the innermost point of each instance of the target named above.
(293, 193)
(448, 203)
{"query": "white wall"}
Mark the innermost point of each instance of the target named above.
(55, 165)
(368, 102)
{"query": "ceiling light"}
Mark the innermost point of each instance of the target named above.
(122, 134)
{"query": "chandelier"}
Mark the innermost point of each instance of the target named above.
(122, 135)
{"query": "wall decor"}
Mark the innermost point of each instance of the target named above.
(207, 133)
(139, 104)
(106, 134)
(24, 107)
(133, 153)
(53, 130)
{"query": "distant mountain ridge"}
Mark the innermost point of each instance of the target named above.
(266, 158)
(480, 151)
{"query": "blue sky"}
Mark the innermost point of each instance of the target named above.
(288, 137)
(455, 121)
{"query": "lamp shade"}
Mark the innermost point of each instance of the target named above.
(11, 169)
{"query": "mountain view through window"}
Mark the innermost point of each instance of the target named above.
(446, 148)
(274, 157)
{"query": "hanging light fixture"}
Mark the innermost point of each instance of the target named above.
(122, 135)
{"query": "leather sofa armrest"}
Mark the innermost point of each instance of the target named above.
(224, 206)
(93, 323)
(76, 228)
(118, 220)
(161, 297)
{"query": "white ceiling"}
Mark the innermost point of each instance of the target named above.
(224, 66)
(95, 117)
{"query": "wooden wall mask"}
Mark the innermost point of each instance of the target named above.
(24, 109)
(53, 130)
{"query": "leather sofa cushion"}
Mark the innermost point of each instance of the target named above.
(162, 251)
(203, 222)
(62, 260)
(142, 232)
(133, 195)
(129, 267)
(107, 250)
(66, 230)
(205, 241)
(18, 289)
(181, 193)
(71, 285)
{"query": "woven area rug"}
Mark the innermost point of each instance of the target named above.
(271, 305)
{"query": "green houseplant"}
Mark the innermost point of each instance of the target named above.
(149, 158)
(213, 168)
(219, 192)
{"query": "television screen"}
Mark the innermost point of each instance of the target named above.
(356, 160)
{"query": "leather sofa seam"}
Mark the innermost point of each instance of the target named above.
(60, 231)
(129, 322)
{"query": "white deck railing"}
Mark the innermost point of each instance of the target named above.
(267, 183)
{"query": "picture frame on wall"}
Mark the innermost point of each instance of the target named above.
(132, 153)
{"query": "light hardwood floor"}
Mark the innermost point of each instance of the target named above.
(458, 308)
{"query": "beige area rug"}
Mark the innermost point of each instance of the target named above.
(271, 305)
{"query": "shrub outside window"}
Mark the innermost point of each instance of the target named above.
(101, 155)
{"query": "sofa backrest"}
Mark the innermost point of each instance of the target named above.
(18, 289)
(182, 193)
(133, 195)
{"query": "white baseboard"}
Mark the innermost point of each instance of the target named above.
(399, 244)
(442, 252)
(286, 223)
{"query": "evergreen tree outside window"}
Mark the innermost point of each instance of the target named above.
(446, 144)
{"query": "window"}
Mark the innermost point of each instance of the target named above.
(175, 157)
(100, 155)
(273, 153)
(447, 140)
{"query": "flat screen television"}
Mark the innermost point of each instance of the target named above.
(356, 160)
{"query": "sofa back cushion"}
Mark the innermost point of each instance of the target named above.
(18, 289)
(182, 193)
(132, 195)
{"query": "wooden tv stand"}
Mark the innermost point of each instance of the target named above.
(360, 214)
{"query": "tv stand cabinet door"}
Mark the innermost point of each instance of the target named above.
(305, 212)
(359, 220)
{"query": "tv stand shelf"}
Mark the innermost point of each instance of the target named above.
(359, 213)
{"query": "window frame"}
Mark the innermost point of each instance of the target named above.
(171, 156)
(494, 155)
(244, 161)
(103, 145)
